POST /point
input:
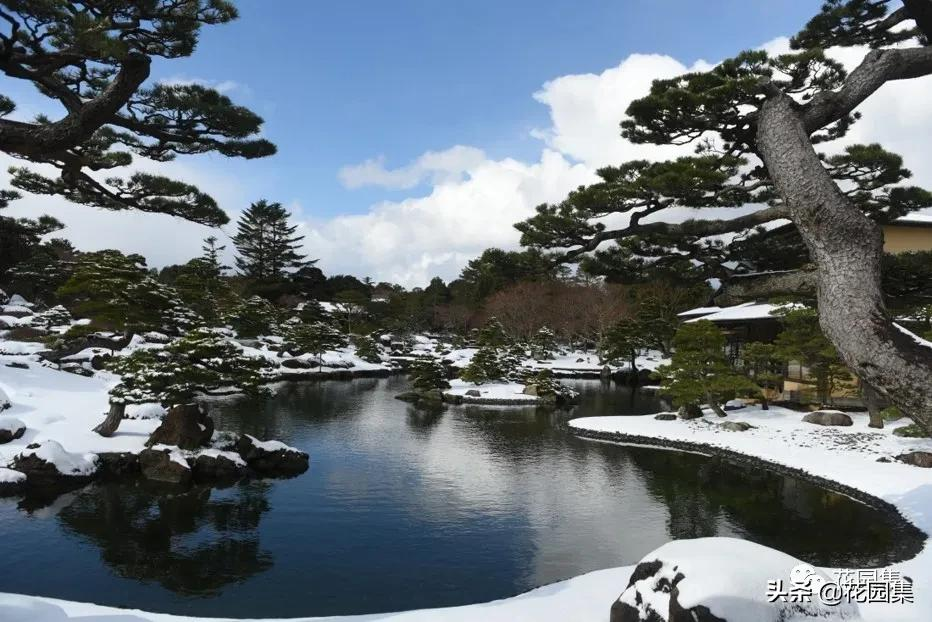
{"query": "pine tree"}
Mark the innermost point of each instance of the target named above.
(762, 364)
(91, 60)
(698, 371)
(623, 342)
(802, 341)
(543, 344)
(211, 255)
(367, 349)
(428, 374)
(253, 317)
(266, 243)
(314, 338)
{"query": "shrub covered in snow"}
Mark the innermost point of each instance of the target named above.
(367, 349)
(253, 317)
(202, 360)
(544, 344)
(314, 338)
(428, 374)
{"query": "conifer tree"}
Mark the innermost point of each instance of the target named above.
(266, 243)
(698, 371)
(92, 58)
(314, 338)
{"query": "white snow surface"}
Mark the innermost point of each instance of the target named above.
(9, 476)
(11, 424)
(67, 463)
(271, 445)
(847, 455)
(730, 577)
(511, 391)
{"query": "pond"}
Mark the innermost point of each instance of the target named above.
(404, 508)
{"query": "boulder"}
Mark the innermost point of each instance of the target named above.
(299, 364)
(717, 580)
(530, 389)
(665, 417)
(18, 365)
(689, 411)
(917, 458)
(734, 404)
(735, 426)
(11, 429)
(828, 418)
(271, 457)
(214, 465)
(48, 464)
(118, 464)
(473, 393)
(11, 482)
(165, 464)
(186, 426)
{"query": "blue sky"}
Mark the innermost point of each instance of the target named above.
(413, 134)
(340, 82)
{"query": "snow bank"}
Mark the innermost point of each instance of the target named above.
(67, 463)
(271, 446)
(149, 410)
(511, 392)
(846, 455)
(9, 476)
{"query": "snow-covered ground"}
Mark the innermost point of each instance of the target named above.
(512, 392)
(846, 455)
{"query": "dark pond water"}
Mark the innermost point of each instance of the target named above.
(406, 509)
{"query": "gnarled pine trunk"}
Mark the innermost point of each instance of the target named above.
(112, 422)
(846, 247)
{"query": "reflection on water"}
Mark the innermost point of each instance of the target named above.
(406, 508)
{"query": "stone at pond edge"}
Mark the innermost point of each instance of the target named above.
(281, 460)
(219, 467)
(118, 464)
(43, 473)
(157, 465)
(689, 411)
(14, 430)
(735, 426)
(666, 417)
(185, 426)
(623, 612)
(474, 393)
(917, 458)
(828, 418)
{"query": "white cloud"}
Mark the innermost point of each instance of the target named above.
(221, 86)
(437, 167)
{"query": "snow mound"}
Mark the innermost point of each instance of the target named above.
(11, 424)
(149, 410)
(66, 463)
(174, 454)
(232, 456)
(4, 400)
(271, 446)
(729, 577)
(9, 476)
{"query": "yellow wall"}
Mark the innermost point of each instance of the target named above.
(899, 239)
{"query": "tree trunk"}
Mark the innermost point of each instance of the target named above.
(872, 401)
(715, 406)
(112, 422)
(846, 247)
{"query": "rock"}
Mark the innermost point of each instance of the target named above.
(686, 580)
(409, 396)
(580, 361)
(917, 458)
(271, 457)
(186, 426)
(99, 361)
(473, 393)
(299, 364)
(118, 464)
(11, 429)
(15, 310)
(828, 418)
(156, 337)
(884, 459)
(164, 464)
(18, 365)
(735, 426)
(433, 395)
(734, 405)
(665, 417)
(11, 482)
(530, 389)
(215, 465)
(48, 464)
(77, 369)
(4, 401)
(689, 411)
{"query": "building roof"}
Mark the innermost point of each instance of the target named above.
(700, 311)
(743, 312)
(918, 219)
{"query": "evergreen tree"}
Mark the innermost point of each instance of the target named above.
(91, 59)
(802, 341)
(698, 371)
(315, 338)
(428, 374)
(266, 243)
(47, 268)
(211, 255)
(117, 292)
(253, 317)
(20, 237)
(202, 360)
(544, 344)
(756, 120)
(367, 349)
(763, 365)
(623, 342)
(485, 366)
